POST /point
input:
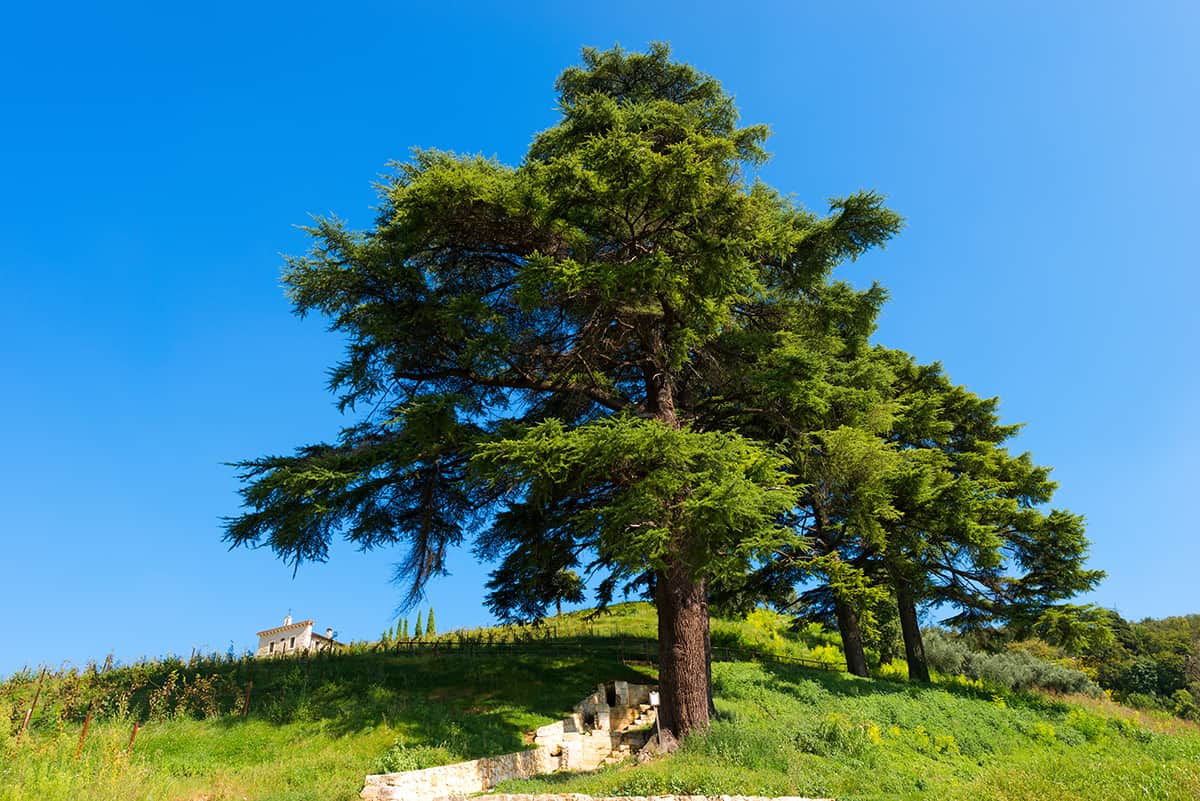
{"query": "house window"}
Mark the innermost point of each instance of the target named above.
(293, 642)
(271, 647)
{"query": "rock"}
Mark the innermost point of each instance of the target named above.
(656, 746)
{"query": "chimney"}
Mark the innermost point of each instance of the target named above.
(287, 621)
(329, 634)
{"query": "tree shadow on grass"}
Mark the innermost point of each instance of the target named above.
(785, 677)
(474, 705)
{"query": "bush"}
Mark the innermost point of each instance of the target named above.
(1014, 670)
(1184, 705)
(400, 758)
(945, 654)
(1092, 727)
(835, 735)
(1145, 701)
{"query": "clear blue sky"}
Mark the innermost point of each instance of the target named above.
(154, 162)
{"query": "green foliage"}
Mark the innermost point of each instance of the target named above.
(1076, 629)
(1013, 670)
(318, 724)
(726, 490)
(401, 757)
(629, 355)
(1148, 663)
(554, 347)
(430, 626)
(786, 731)
(1183, 704)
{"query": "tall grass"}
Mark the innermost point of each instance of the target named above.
(784, 730)
(315, 727)
(318, 724)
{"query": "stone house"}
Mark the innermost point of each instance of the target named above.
(294, 638)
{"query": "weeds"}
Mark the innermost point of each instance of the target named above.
(317, 725)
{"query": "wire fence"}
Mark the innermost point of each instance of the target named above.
(626, 649)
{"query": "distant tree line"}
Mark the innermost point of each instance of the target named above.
(400, 633)
(1150, 664)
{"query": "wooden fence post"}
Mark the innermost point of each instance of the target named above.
(246, 700)
(136, 725)
(83, 734)
(29, 712)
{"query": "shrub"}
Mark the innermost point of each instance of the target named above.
(1183, 704)
(1042, 732)
(1141, 677)
(400, 757)
(1137, 700)
(1092, 727)
(893, 671)
(945, 654)
(1015, 670)
(836, 735)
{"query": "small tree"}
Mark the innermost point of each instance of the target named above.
(418, 630)
(430, 626)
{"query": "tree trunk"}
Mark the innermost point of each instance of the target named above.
(914, 646)
(712, 707)
(847, 618)
(683, 670)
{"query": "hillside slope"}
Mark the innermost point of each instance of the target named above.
(316, 726)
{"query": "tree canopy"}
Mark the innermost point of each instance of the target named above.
(628, 355)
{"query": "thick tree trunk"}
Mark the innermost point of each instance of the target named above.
(847, 618)
(712, 707)
(914, 646)
(683, 669)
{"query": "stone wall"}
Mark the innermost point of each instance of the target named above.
(458, 780)
(607, 726)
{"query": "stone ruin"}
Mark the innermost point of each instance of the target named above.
(612, 723)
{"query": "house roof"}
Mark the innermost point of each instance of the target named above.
(298, 625)
(326, 639)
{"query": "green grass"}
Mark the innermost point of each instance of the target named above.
(317, 726)
(789, 731)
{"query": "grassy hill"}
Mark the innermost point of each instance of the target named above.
(316, 726)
